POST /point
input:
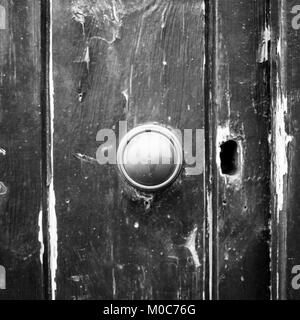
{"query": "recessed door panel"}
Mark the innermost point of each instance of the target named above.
(135, 63)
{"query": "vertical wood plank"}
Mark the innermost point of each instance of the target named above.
(292, 144)
(137, 61)
(240, 114)
(286, 149)
(20, 150)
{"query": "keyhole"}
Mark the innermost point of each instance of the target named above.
(229, 157)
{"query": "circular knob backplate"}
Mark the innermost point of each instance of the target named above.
(150, 157)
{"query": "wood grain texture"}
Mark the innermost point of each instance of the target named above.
(292, 149)
(229, 68)
(240, 111)
(138, 61)
(286, 149)
(20, 153)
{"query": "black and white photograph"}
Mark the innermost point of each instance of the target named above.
(149, 153)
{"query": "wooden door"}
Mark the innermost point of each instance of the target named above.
(137, 62)
(223, 75)
(190, 65)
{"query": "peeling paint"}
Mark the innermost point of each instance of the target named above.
(126, 96)
(3, 189)
(110, 12)
(2, 152)
(191, 246)
(87, 58)
(263, 49)
(281, 142)
(280, 165)
(2, 278)
(53, 237)
(41, 236)
(146, 198)
(79, 16)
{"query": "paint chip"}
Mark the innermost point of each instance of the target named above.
(2, 278)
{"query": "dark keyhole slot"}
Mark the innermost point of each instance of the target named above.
(229, 157)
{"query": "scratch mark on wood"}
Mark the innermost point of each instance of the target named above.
(114, 286)
(85, 158)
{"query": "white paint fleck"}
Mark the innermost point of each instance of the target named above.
(2, 278)
(226, 256)
(191, 246)
(87, 58)
(203, 6)
(126, 96)
(41, 236)
(282, 139)
(2, 152)
(3, 189)
(263, 49)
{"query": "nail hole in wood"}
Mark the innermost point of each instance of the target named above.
(229, 157)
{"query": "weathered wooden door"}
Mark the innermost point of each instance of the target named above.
(164, 62)
(218, 73)
(137, 62)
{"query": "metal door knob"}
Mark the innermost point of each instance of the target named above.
(150, 157)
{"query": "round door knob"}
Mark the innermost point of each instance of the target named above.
(150, 157)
